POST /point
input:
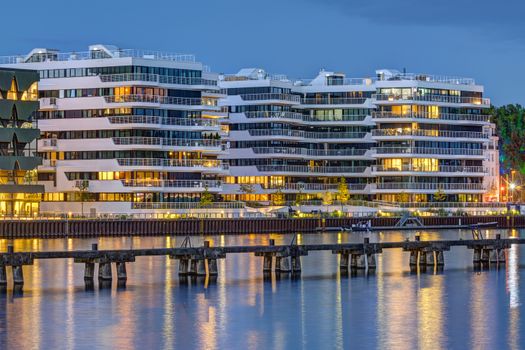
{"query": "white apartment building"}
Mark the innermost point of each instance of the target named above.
(126, 131)
(394, 138)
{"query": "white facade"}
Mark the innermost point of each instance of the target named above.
(140, 130)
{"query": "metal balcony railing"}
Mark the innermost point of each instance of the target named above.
(426, 150)
(440, 169)
(440, 116)
(271, 96)
(431, 186)
(430, 133)
(433, 98)
(187, 205)
(310, 152)
(311, 169)
(144, 119)
(155, 99)
(160, 141)
(306, 134)
(197, 184)
(156, 78)
(334, 101)
(174, 163)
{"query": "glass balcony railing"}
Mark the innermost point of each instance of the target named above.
(174, 163)
(439, 169)
(433, 98)
(431, 186)
(431, 116)
(429, 133)
(195, 184)
(429, 151)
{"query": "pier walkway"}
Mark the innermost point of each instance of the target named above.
(279, 258)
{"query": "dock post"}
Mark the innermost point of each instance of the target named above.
(183, 266)
(371, 261)
(201, 267)
(440, 258)
(104, 271)
(18, 275)
(193, 267)
(89, 271)
(485, 255)
(361, 261)
(501, 255)
(477, 256)
(282, 264)
(430, 259)
(296, 263)
(212, 267)
(343, 262)
(3, 275)
(121, 271)
(413, 258)
(494, 255)
(267, 263)
(353, 260)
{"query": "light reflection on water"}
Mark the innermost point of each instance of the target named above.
(392, 308)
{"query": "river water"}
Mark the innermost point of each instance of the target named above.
(322, 309)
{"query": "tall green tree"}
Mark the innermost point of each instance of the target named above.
(510, 127)
(343, 194)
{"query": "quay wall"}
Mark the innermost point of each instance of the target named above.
(181, 227)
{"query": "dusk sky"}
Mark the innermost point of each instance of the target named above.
(482, 39)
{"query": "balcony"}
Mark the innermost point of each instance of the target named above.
(48, 104)
(178, 184)
(187, 205)
(431, 186)
(314, 187)
(428, 133)
(303, 152)
(272, 97)
(161, 142)
(478, 101)
(334, 101)
(306, 134)
(333, 170)
(273, 115)
(153, 120)
(307, 119)
(409, 151)
(448, 169)
(188, 164)
(155, 78)
(478, 118)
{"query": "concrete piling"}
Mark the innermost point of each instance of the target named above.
(413, 257)
(183, 266)
(343, 261)
(121, 271)
(430, 259)
(267, 263)
(201, 267)
(89, 271)
(371, 259)
(18, 274)
(282, 263)
(296, 264)
(3, 275)
(104, 271)
(477, 255)
(212, 267)
(440, 258)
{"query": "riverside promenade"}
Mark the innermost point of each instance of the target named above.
(97, 227)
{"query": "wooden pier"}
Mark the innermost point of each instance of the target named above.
(202, 261)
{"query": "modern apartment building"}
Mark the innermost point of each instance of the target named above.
(395, 137)
(297, 140)
(20, 194)
(126, 131)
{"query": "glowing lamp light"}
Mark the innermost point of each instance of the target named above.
(512, 186)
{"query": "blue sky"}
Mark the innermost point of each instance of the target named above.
(481, 39)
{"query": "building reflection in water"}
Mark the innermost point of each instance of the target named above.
(513, 279)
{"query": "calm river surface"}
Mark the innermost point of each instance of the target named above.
(322, 309)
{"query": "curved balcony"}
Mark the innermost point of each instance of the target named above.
(306, 134)
(314, 187)
(418, 133)
(271, 97)
(157, 101)
(295, 117)
(155, 78)
(445, 170)
(201, 123)
(334, 101)
(399, 186)
(311, 153)
(411, 151)
(187, 205)
(211, 165)
(395, 99)
(309, 170)
(190, 185)
(273, 115)
(168, 143)
(430, 117)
